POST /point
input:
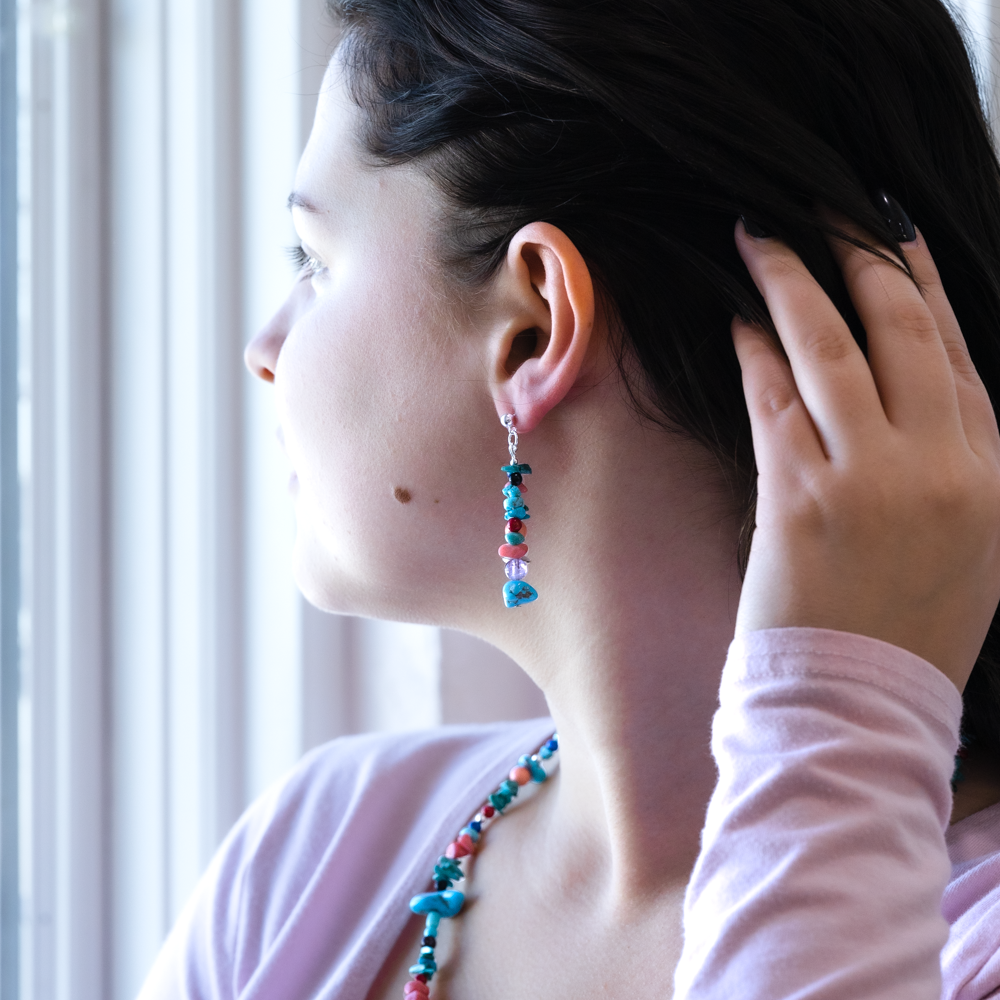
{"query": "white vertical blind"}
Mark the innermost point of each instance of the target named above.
(63, 308)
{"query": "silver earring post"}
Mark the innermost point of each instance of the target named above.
(508, 421)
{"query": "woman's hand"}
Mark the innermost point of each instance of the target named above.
(878, 505)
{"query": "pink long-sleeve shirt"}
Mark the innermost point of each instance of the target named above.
(827, 868)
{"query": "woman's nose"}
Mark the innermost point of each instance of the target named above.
(261, 355)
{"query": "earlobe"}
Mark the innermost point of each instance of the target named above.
(548, 324)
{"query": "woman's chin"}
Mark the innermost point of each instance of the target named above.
(319, 580)
(328, 584)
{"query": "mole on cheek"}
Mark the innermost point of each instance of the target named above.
(402, 495)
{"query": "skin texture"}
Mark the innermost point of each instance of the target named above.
(872, 519)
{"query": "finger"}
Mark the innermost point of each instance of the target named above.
(977, 413)
(831, 374)
(906, 354)
(783, 433)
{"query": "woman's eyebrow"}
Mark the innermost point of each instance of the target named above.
(296, 200)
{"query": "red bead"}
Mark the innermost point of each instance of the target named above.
(488, 811)
(515, 524)
(421, 978)
(456, 850)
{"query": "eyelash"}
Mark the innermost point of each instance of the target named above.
(302, 260)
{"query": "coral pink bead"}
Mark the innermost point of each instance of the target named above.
(416, 988)
(456, 850)
(521, 775)
(513, 551)
(488, 811)
(467, 842)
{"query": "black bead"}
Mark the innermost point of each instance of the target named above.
(430, 942)
(441, 883)
(516, 479)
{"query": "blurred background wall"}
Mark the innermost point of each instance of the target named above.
(158, 668)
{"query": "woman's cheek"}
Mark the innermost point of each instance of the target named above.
(359, 430)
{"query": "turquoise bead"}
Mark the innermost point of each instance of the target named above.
(524, 469)
(518, 512)
(517, 592)
(512, 492)
(424, 969)
(447, 868)
(446, 902)
(537, 771)
(511, 788)
(514, 538)
(545, 753)
(431, 927)
(499, 801)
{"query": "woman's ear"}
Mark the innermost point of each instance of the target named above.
(546, 327)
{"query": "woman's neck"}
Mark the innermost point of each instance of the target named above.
(640, 589)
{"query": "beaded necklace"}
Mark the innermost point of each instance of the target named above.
(447, 902)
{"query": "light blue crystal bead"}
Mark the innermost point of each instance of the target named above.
(473, 834)
(447, 902)
(545, 753)
(517, 592)
(516, 569)
(514, 537)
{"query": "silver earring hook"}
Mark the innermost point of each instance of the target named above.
(508, 421)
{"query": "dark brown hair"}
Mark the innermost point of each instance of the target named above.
(643, 128)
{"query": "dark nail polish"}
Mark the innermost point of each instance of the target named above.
(897, 219)
(755, 229)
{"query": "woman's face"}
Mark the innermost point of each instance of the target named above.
(381, 375)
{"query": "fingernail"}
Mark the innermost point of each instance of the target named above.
(755, 229)
(897, 219)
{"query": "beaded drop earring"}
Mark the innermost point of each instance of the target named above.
(515, 592)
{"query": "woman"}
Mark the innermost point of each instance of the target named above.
(523, 211)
